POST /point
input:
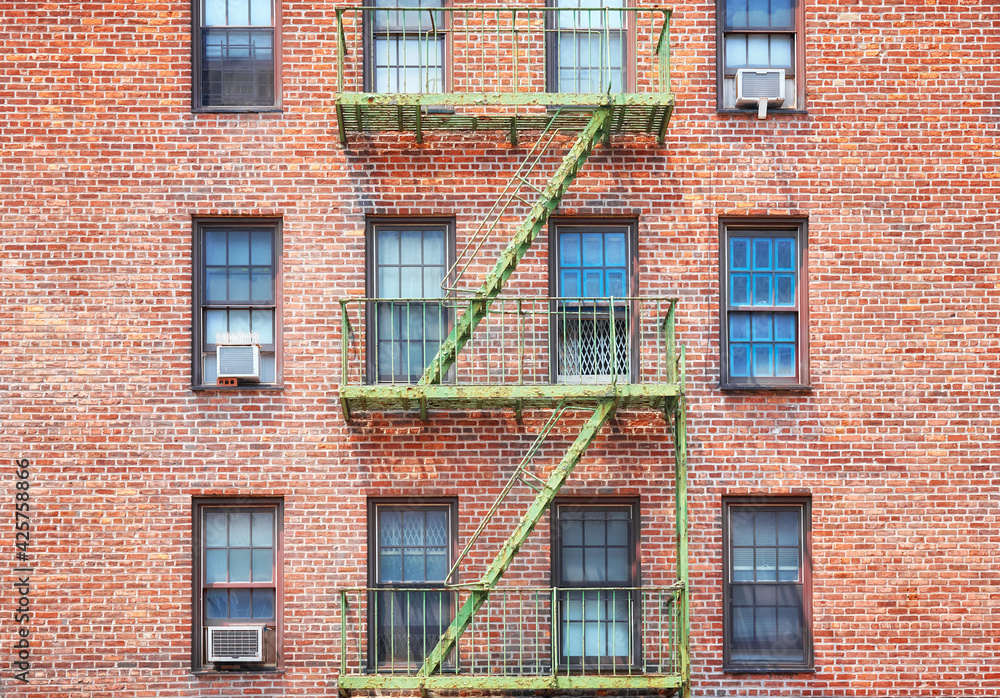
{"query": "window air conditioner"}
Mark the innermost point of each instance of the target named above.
(237, 356)
(236, 643)
(760, 88)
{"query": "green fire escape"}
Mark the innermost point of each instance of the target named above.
(559, 78)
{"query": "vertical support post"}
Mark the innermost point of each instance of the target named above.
(343, 632)
(341, 50)
(345, 333)
(670, 338)
(681, 523)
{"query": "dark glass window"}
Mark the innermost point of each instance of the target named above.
(587, 44)
(407, 47)
(236, 53)
(593, 285)
(238, 569)
(410, 262)
(236, 291)
(767, 586)
(765, 327)
(413, 553)
(596, 572)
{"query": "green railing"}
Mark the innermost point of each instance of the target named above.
(517, 634)
(522, 341)
(503, 50)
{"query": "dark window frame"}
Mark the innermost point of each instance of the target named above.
(632, 504)
(552, 34)
(368, 63)
(765, 503)
(197, 9)
(782, 227)
(402, 504)
(798, 59)
(561, 224)
(199, 303)
(373, 224)
(199, 506)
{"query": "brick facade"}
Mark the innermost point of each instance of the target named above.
(894, 166)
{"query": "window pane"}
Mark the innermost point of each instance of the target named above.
(263, 604)
(764, 528)
(743, 565)
(736, 51)
(263, 562)
(595, 565)
(762, 327)
(239, 529)
(592, 284)
(569, 249)
(758, 51)
(388, 282)
(437, 528)
(618, 566)
(739, 327)
(239, 12)
(437, 566)
(262, 322)
(784, 360)
(616, 284)
(759, 14)
(390, 530)
(261, 284)
(572, 532)
(788, 564)
(781, 51)
(781, 14)
(434, 247)
(788, 527)
(215, 247)
(390, 565)
(413, 565)
(209, 369)
(739, 360)
(260, 12)
(766, 564)
(572, 559)
(739, 289)
(239, 247)
(215, 530)
(216, 604)
(784, 327)
(736, 13)
(239, 284)
(593, 250)
(215, 284)
(743, 624)
(239, 565)
(739, 253)
(784, 289)
(388, 247)
(216, 321)
(240, 603)
(570, 285)
(215, 565)
(762, 360)
(614, 249)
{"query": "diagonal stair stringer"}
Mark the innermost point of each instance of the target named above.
(597, 129)
(479, 595)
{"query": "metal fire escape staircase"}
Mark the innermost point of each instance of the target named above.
(602, 119)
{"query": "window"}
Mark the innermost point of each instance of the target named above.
(761, 34)
(408, 262)
(594, 285)
(410, 608)
(235, 48)
(406, 47)
(767, 585)
(596, 571)
(238, 574)
(236, 290)
(765, 324)
(588, 47)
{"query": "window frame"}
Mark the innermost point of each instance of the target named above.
(368, 52)
(373, 225)
(402, 504)
(783, 227)
(553, 32)
(769, 502)
(632, 505)
(798, 59)
(199, 507)
(560, 224)
(197, 59)
(199, 303)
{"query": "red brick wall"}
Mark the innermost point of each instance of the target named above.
(103, 165)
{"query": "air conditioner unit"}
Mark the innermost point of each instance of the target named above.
(237, 356)
(236, 643)
(760, 88)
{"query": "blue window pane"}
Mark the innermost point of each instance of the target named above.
(784, 289)
(762, 365)
(784, 327)
(739, 289)
(263, 603)
(215, 247)
(592, 284)
(216, 603)
(784, 360)
(739, 360)
(784, 254)
(260, 247)
(388, 247)
(239, 247)
(763, 327)
(569, 250)
(616, 284)
(762, 254)
(240, 603)
(739, 327)
(570, 283)
(736, 13)
(781, 14)
(614, 249)
(762, 289)
(434, 247)
(593, 249)
(739, 253)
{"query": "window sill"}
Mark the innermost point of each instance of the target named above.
(765, 386)
(237, 110)
(267, 388)
(753, 112)
(249, 671)
(773, 669)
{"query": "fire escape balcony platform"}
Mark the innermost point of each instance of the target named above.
(415, 113)
(655, 396)
(446, 682)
